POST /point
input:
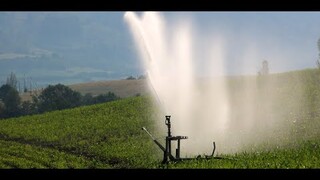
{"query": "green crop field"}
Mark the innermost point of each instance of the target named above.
(105, 135)
(109, 135)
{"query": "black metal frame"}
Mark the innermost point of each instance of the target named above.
(167, 155)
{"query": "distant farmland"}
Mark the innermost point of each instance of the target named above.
(122, 88)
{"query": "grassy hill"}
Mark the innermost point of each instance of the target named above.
(109, 135)
(104, 135)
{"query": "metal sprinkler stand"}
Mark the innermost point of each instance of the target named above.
(170, 138)
(167, 155)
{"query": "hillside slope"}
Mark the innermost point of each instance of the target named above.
(109, 135)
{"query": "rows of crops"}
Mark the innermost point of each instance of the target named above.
(18, 155)
(108, 133)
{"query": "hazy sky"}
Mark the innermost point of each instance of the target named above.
(101, 42)
(288, 40)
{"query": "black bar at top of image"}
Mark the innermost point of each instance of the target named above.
(152, 5)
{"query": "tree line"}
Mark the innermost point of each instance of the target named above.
(53, 97)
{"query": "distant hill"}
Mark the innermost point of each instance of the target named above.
(123, 88)
(66, 47)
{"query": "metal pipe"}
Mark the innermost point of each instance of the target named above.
(154, 140)
(168, 123)
(214, 148)
(145, 129)
(178, 150)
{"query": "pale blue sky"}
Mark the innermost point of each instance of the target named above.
(90, 46)
(288, 40)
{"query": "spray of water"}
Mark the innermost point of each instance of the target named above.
(204, 109)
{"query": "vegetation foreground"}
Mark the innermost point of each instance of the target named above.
(109, 135)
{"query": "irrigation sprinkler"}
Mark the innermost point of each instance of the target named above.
(141, 36)
(167, 153)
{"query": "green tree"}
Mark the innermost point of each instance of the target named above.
(28, 107)
(12, 80)
(11, 100)
(2, 109)
(142, 77)
(110, 96)
(264, 69)
(58, 97)
(87, 99)
(130, 78)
